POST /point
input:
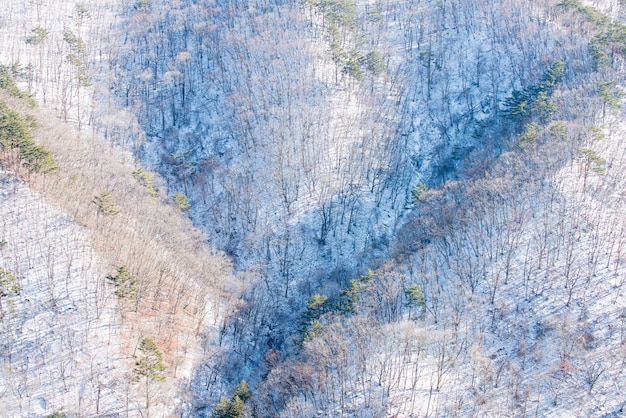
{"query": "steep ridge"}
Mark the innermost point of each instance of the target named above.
(72, 326)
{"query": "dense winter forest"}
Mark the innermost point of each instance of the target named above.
(312, 208)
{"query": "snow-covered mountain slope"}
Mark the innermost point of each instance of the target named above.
(71, 337)
(62, 343)
(298, 132)
(521, 304)
(519, 266)
(38, 37)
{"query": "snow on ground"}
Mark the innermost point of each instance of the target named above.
(61, 345)
(552, 342)
(454, 77)
(72, 291)
(50, 68)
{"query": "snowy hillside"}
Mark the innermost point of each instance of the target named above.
(407, 208)
(62, 326)
(298, 130)
(72, 326)
(523, 309)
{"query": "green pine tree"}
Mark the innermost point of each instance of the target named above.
(150, 364)
(106, 204)
(182, 202)
(234, 408)
(242, 391)
(317, 305)
(146, 180)
(8, 286)
(126, 284)
(222, 409)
